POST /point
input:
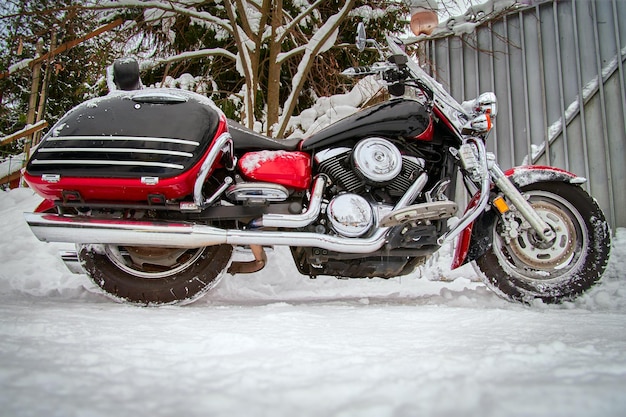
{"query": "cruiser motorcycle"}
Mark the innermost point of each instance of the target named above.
(156, 187)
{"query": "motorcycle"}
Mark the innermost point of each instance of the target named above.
(156, 187)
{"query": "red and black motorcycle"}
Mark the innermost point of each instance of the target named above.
(155, 187)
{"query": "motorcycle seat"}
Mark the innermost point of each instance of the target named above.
(245, 139)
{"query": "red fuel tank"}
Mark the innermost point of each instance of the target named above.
(290, 169)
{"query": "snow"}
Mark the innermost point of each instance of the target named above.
(11, 164)
(251, 161)
(19, 65)
(328, 110)
(276, 343)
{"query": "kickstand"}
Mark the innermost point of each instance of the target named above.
(248, 267)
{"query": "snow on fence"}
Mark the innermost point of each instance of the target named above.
(557, 68)
(26, 131)
(10, 167)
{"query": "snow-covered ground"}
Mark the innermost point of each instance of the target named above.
(278, 344)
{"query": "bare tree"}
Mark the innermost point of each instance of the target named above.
(265, 37)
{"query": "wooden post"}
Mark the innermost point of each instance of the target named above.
(43, 95)
(34, 87)
(32, 102)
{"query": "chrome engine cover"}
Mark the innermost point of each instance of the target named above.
(257, 192)
(377, 160)
(350, 215)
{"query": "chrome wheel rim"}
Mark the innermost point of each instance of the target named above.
(525, 256)
(152, 263)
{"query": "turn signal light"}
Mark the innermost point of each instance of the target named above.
(500, 205)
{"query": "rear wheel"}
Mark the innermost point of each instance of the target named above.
(153, 275)
(521, 267)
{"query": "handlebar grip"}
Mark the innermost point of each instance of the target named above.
(353, 71)
(363, 70)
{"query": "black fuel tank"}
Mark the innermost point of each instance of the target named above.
(395, 118)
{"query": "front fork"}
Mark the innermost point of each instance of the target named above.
(515, 197)
(482, 168)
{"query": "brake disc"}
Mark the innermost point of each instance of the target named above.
(538, 254)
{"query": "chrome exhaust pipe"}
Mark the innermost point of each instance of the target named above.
(71, 229)
(88, 230)
(293, 221)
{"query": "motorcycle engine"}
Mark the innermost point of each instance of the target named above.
(372, 174)
(366, 180)
(374, 163)
(377, 160)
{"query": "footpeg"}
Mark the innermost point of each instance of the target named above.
(426, 211)
(249, 267)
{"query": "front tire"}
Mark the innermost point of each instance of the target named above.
(520, 267)
(154, 276)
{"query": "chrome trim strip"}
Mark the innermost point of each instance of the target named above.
(71, 261)
(119, 150)
(92, 162)
(128, 138)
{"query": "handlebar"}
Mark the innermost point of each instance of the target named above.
(401, 70)
(355, 71)
(367, 70)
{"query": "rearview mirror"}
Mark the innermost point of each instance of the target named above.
(361, 37)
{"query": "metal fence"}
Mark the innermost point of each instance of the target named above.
(557, 69)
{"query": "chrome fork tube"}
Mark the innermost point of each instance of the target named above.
(491, 173)
(544, 232)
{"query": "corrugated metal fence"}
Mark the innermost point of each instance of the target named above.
(557, 69)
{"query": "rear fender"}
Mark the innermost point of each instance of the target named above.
(477, 238)
(46, 206)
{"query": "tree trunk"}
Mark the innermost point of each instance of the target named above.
(312, 50)
(273, 84)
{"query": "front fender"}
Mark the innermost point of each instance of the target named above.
(477, 238)
(532, 174)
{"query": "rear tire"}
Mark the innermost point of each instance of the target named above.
(522, 268)
(154, 276)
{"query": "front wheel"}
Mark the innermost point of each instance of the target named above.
(154, 275)
(521, 267)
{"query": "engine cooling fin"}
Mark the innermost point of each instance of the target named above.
(340, 171)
